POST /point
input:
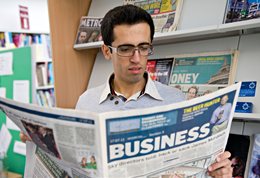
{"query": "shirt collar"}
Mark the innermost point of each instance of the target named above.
(149, 89)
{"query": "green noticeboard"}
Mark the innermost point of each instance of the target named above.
(22, 71)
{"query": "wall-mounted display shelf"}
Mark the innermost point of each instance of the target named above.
(200, 33)
(247, 116)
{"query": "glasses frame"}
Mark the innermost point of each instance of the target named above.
(134, 49)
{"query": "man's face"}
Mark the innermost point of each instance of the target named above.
(82, 36)
(42, 130)
(192, 93)
(94, 34)
(224, 100)
(130, 70)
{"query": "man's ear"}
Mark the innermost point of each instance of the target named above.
(106, 52)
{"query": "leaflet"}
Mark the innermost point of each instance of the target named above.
(180, 139)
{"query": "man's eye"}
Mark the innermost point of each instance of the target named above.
(144, 48)
(125, 49)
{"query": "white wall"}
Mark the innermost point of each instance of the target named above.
(248, 68)
(38, 16)
(201, 13)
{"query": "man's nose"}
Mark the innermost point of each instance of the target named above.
(136, 56)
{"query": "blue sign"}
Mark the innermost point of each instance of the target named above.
(244, 107)
(248, 89)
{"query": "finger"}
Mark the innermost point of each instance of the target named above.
(24, 137)
(220, 164)
(222, 168)
(222, 172)
(223, 156)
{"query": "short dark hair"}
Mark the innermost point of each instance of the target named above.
(126, 14)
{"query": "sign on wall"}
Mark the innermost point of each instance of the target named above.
(24, 17)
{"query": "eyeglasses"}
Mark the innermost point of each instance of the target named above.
(129, 50)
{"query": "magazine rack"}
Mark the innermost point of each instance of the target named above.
(199, 33)
(73, 67)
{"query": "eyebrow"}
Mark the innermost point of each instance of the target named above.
(127, 44)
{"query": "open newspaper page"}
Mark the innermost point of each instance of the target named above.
(178, 139)
(165, 13)
(205, 72)
(68, 137)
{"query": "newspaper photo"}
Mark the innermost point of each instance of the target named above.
(203, 73)
(89, 30)
(165, 13)
(180, 139)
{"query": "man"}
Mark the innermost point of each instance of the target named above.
(220, 116)
(82, 37)
(94, 36)
(127, 45)
(127, 33)
(192, 92)
(48, 141)
(84, 162)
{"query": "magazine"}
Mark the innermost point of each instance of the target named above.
(239, 10)
(177, 139)
(238, 146)
(202, 73)
(254, 166)
(89, 30)
(160, 69)
(165, 13)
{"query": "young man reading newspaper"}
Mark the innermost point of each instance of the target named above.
(127, 33)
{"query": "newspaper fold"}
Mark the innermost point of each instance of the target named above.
(180, 139)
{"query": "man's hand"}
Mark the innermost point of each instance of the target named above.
(24, 137)
(222, 167)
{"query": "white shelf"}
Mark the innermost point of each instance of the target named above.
(247, 116)
(45, 87)
(88, 45)
(214, 31)
(241, 25)
(41, 60)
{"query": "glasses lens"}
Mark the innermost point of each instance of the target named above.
(127, 50)
(145, 50)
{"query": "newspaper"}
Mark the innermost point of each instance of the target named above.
(241, 10)
(165, 13)
(190, 72)
(89, 30)
(207, 71)
(180, 139)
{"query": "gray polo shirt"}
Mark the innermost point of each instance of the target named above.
(100, 99)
